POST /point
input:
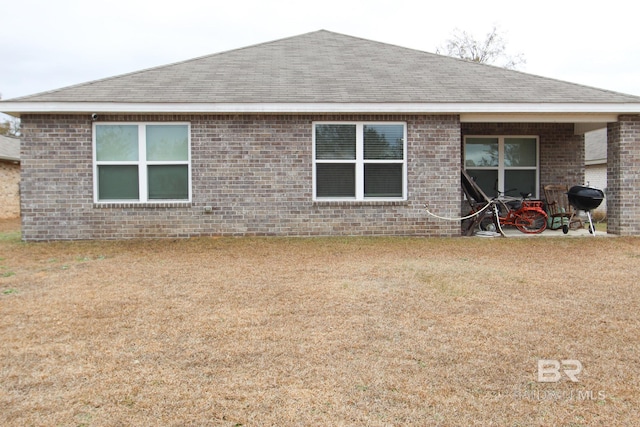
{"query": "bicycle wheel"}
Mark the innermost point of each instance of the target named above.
(531, 222)
(488, 223)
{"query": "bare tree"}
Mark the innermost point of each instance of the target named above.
(9, 126)
(492, 50)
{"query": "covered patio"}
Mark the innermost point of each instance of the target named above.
(559, 156)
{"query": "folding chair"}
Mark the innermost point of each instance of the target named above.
(477, 200)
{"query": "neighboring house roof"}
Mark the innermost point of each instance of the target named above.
(595, 147)
(327, 72)
(9, 148)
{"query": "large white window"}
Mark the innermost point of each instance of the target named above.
(359, 161)
(503, 163)
(141, 162)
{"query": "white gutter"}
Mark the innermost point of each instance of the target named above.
(468, 111)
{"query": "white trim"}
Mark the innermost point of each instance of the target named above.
(142, 164)
(588, 119)
(359, 163)
(469, 111)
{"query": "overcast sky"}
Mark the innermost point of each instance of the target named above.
(48, 44)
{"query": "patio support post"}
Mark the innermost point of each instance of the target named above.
(623, 176)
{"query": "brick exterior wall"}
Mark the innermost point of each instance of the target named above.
(9, 190)
(561, 152)
(623, 176)
(254, 171)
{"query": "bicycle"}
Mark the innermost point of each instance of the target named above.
(526, 215)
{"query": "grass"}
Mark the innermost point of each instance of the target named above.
(345, 331)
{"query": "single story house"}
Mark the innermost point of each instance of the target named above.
(9, 177)
(317, 134)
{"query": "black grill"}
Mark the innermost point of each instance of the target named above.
(585, 198)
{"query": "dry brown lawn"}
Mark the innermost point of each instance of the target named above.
(318, 332)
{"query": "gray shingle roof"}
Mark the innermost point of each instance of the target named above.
(325, 67)
(9, 148)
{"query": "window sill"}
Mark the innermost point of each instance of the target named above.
(146, 205)
(360, 202)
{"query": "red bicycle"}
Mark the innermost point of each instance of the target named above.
(526, 215)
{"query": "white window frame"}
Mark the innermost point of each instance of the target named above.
(360, 162)
(501, 166)
(142, 164)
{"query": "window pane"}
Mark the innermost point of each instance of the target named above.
(481, 152)
(382, 142)
(167, 142)
(487, 180)
(519, 152)
(116, 142)
(336, 180)
(383, 180)
(520, 181)
(335, 142)
(168, 182)
(118, 182)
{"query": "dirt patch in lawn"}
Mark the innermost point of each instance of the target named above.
(9, 225)
(353, 331)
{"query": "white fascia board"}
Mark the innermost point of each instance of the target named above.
(591, 120)
(468, 111)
